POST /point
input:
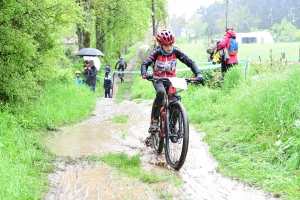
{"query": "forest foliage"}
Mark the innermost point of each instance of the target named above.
(32, 40)
(281, 18)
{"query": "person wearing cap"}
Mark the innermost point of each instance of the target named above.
(78, 77)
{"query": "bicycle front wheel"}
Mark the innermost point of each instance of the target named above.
(157, 140)
(176, 144)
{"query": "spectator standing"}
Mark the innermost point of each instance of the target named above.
(107, 69)
(107, 85)
(96, 60)
(225, 43)
(78, 77)
(91, 75)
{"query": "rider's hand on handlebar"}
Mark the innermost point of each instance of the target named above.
(148, 76)
(199, 78)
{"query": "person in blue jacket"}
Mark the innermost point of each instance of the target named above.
(78, 77)
(107, 85)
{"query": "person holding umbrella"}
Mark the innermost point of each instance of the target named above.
(91, 75)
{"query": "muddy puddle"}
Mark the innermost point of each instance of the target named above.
(99, 135)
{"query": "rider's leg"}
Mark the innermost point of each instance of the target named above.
(123, 71)
(159, 99)
(157, 103)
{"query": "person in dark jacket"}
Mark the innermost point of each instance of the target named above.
(164, 58)
(107, 85)
(122, 65)
(91, 75)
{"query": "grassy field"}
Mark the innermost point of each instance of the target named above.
(251, 52)
(251, 122)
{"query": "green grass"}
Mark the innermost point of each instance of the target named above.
(142, 89)
(124, 134)
(252, 52)
(250, 127)
(123, 88)
(55, 108)
(131, 166)
(121, 119)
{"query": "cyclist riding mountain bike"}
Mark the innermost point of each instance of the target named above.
(164, 57)
(122, 65)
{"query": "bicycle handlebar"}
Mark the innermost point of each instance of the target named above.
(188, 80)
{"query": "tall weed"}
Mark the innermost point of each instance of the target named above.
(254, 131)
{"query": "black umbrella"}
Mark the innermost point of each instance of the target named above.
(89, 52)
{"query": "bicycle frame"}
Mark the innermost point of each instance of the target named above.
(174, 129)
(165, 112)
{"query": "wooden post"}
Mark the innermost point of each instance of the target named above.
(271, 58)
(153, 23)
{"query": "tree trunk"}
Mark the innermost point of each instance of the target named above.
(100, 36)
(84, 37)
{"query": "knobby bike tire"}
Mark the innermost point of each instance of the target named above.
(176, 152)
(157, 140)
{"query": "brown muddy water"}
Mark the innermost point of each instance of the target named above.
(99, 135)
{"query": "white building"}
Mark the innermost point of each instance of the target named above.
(262, 37)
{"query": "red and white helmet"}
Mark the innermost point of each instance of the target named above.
(165, 37)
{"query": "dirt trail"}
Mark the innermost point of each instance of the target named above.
(98, 135)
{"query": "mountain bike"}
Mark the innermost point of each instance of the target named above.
(173, 133)
(121, 75)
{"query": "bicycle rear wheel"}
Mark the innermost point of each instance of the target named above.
(157, 140)
(176, 150)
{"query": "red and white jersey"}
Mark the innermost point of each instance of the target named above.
(165, 65)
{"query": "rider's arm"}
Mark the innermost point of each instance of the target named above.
(186, 60)
(152, 57)
(116, 65)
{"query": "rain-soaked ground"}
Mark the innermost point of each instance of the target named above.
(99, 135)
